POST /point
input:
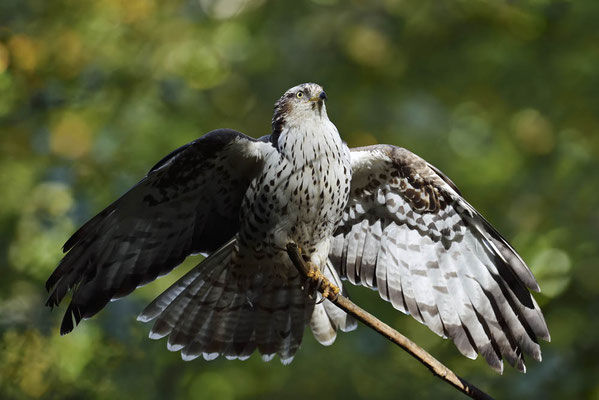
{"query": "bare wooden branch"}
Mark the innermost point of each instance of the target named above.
(391, 334)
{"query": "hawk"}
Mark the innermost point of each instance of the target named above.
(377, 216)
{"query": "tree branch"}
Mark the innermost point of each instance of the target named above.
(391, 334)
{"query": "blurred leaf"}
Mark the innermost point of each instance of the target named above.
(502, 96)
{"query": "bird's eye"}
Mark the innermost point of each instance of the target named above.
(300, 95)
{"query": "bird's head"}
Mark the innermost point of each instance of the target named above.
(300, 103)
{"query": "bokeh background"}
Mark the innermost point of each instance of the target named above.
(502, 96)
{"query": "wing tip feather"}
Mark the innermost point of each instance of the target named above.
(143, 317)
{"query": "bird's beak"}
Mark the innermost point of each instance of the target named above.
(322, 96)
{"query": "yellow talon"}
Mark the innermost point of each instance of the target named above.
(330, 291)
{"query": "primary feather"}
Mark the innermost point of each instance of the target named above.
(378, 216)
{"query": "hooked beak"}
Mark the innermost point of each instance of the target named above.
(321, 97)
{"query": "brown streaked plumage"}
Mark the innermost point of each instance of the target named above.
(378, 216)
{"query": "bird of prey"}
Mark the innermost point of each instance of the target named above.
(377, 216)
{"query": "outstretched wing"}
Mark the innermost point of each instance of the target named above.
(188, 203)
(407, 232)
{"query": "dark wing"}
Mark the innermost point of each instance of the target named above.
(407, 232)
(188, 203)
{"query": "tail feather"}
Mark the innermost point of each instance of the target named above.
(265, 326)
(211, 331)
(209, 312)
(299, 317)
(156, 307)
(197, 316)
(281, 306)
(243, 344)
(222, 330)
(192, 333)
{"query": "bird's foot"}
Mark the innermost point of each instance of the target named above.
(317, 280)
(314, 279)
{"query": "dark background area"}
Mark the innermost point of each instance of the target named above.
(501, 96)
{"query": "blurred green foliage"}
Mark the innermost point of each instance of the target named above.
(502, 96)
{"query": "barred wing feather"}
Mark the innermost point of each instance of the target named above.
(408, 233)
(188, 203)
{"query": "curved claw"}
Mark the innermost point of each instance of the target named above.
(317, 281)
